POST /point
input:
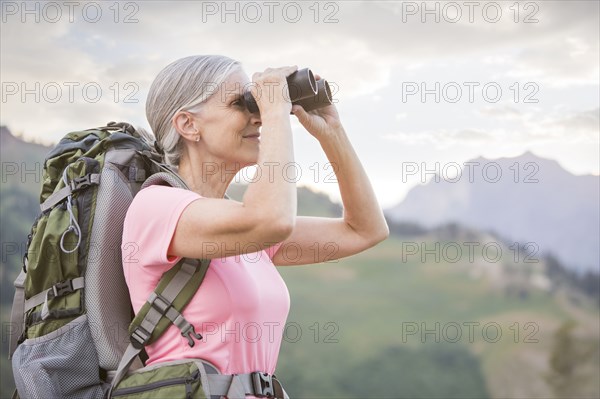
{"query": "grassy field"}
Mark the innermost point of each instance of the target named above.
(379, 304)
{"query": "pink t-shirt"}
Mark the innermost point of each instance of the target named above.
(241, 307)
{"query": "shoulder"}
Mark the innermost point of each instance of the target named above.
(151, 220)
(159, 200)
(159, 190)
(160, 194)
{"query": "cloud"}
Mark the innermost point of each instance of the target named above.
(444, 138)
(557, 45)
(368, 53)
(578, 127)
(562, 42)
(501, 112)
(588, 121)
(583, 126)
(472, 135)
(560, 62)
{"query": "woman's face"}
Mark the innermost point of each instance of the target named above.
(224, 121)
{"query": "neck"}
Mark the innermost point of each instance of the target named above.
(209, 179)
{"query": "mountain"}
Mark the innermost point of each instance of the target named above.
(525, 199)
(22, 165)
(310, 201)
(22, 162)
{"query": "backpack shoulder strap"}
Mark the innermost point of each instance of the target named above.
(174, 290)
(168, 177)
(164, 305)
(172, 294)
(165, 178)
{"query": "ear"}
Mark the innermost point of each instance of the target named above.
(185, 124)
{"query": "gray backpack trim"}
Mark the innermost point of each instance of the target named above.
(169, 178)
(110, 317)
(165, 179)
(17, 314)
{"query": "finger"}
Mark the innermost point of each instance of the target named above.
(298, 110)
(290, 70)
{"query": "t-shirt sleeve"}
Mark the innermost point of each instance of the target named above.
(150, 223)
(272, 249)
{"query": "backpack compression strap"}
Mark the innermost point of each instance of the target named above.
(17, 315)
(237, 386)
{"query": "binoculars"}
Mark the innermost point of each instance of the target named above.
(303, 89)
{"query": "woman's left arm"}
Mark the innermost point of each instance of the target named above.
(319, 239)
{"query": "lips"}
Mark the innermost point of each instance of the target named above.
(252, 135)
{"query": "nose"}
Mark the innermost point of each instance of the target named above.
(255, 119)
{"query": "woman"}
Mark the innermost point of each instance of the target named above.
(196, 110)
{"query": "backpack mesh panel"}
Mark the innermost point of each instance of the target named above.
(38, 360)
(107, 297)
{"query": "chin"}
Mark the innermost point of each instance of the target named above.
(246, 163)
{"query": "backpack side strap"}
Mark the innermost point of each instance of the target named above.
(57, 290)
(128, 357)
(73, 186)
(237, 386)
(17, 314)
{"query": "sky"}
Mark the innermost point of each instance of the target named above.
(419, 86)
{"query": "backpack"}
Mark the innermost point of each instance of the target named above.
(74, 334)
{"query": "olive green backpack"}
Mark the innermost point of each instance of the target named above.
(73, 334)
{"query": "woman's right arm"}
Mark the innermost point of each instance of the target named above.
(213, 228)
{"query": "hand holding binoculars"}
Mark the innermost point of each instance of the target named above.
(303, 89)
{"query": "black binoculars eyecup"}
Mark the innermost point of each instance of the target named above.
(303, 90)
(320, 100)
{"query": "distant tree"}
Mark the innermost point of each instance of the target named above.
(435, 371)
(405, 229)
(590, 283)
(567, 358)
(587, 283)
(563, 360)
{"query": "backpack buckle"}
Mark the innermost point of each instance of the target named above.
(158, 302)
(262, 383)
(79, 183)
(139, 337)
(188, 331)
(62, 288)
(124, 127)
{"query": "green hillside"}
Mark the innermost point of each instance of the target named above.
(377, 317)
(310, 202)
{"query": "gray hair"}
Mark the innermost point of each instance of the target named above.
(183, 85)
